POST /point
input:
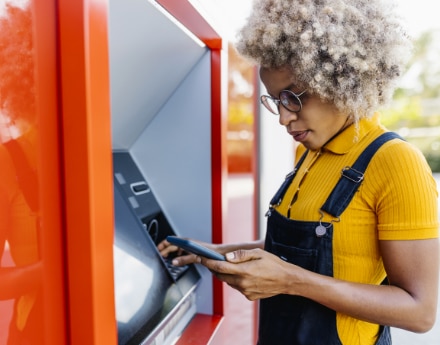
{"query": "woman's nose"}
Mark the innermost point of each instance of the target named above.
(286, 116)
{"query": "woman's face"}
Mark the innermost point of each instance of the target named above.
(316, 123)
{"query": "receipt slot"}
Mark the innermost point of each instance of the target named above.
(165, 168)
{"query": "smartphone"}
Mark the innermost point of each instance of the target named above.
(195, 248)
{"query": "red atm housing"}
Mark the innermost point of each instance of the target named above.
(57, 134)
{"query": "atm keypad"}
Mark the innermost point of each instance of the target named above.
(175, 271)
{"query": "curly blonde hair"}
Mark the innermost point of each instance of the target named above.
(348, 52)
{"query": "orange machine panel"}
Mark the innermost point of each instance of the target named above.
(85, 108)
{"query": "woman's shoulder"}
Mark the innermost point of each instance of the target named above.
(399, 152)
(400, 164)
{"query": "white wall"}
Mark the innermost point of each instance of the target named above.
(276, 159)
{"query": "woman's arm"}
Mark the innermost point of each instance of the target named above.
(409, 302)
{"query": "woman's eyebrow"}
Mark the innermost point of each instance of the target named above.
(289, 87)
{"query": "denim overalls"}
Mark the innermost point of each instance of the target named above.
(295, 320)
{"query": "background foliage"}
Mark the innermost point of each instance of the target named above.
(415, 110)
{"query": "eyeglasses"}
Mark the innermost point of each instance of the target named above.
(288, 100)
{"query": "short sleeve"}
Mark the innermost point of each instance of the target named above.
(404, 193)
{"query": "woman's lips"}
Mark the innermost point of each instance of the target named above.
(299, 135)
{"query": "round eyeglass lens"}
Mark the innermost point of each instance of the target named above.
(270, 104)
(290, 101)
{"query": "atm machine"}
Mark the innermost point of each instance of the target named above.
(161, 142)
(154, 299)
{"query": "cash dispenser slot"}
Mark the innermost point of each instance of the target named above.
(154, 299)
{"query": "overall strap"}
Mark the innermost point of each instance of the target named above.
(276, 200)
(351, 177)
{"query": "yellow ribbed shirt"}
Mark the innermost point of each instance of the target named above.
(396, 201)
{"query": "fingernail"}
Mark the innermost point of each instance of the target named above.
(230, 256)
(175, 262)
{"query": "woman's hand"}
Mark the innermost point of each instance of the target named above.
(409, 302)
(255, 273)
(181, 257)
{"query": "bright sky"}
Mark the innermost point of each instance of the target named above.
(419, 15)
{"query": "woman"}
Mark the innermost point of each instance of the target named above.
(352, 239)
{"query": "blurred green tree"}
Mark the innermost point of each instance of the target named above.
(415, 109)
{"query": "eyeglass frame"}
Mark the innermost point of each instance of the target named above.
(277, 101)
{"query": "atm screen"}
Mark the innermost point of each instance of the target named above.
(144, 290)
